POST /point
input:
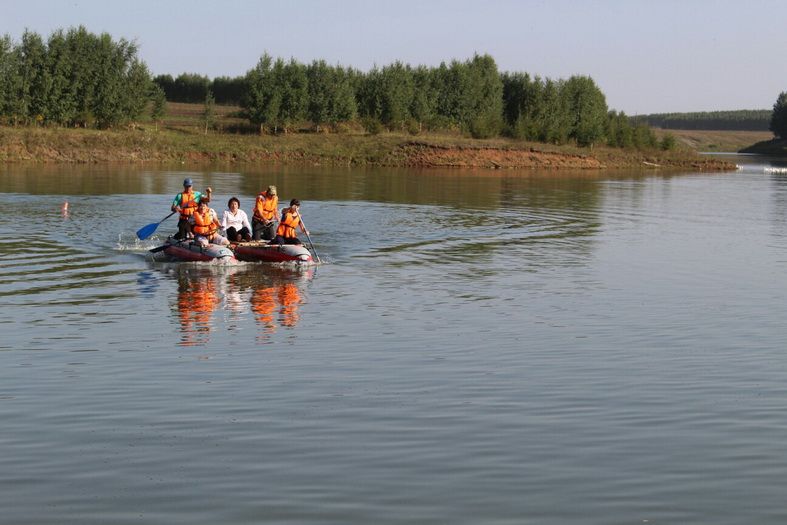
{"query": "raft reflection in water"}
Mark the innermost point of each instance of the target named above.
(209, 295)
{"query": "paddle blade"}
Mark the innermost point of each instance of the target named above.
(146, 231)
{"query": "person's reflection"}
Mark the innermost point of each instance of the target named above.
(263, 304)
(272, 298)
(289, 299)
(276, 300)
(197, 300)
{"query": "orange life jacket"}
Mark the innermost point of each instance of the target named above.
(188, 204)
(204, 224)
(289, 221)
(265, 207)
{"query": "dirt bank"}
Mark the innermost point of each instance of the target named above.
(145, 145)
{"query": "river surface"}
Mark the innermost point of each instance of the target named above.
(488, 347)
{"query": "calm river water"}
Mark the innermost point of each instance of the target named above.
(477, 348)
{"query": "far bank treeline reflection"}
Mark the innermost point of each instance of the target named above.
(450, 187)
(79, 78)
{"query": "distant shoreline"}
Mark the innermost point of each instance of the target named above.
(147, 145)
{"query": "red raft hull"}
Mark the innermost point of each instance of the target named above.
(262, 251)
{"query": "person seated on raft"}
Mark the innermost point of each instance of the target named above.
(205, 225)
(185, 203)
(235, 222)
(266, 212)
(290, 220)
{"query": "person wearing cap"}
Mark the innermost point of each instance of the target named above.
(185, 203)
(205, 225)
(290, 219)
(265, 214)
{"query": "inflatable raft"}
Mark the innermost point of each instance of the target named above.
(188, 250)
(262, 251)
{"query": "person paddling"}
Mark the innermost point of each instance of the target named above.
(290, 220)
(266, 212)
(205, 225)
(185, 203)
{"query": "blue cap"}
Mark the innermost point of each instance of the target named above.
(188, 182)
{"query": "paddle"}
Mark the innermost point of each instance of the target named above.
(309, 238)
(146, 231)
(158, 248)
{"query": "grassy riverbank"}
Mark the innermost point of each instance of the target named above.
(188, 144)
(715, 140)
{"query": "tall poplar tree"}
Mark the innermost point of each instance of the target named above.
(588, 108)
(159, 104)
(209, 111)
(778, 124)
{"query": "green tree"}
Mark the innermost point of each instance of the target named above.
(321, 87)
(159, 103)
(778, 123)
(260, 92)
(668, 142)
(484, 97)
(643, 137)
(28, 100)
(61, 103)
(110, 105)
(228, 90)
(294, 94)
(136, 94)
(555, 117)
(396, 91)
(209, 111)
(167, 84)
(369, 95)
(331, 95)
(83, 49)
(8, 72)
(423, 107)
(588, 107)
(190, 87)
(619, 132)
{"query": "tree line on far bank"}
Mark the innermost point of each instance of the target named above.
(470, 96)
(739, 120)
(77, 78)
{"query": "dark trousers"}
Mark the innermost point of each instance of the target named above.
(263, 231)
(285, 240)
(236, 235)
(184, 229)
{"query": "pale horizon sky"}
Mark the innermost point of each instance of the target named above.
(646, 56)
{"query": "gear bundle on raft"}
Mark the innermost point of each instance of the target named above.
(252, 251)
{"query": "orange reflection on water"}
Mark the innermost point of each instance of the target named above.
(206, 296)
(197, 299)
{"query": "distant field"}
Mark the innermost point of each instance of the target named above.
(722, 140)
(180, 114)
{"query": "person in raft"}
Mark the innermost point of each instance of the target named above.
(185, 203)
(265, 214)
(290, 220)
(205, 225)
(235, 222)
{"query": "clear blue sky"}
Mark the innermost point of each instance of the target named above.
(647, 56)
